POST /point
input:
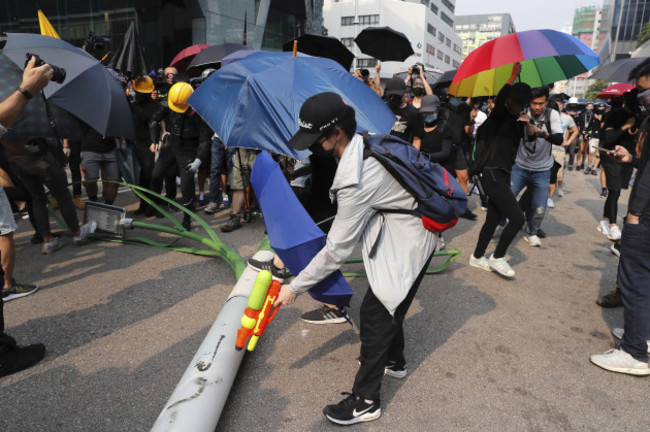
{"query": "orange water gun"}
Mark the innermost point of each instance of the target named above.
(260, 311)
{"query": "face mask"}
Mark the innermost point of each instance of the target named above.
(418, 91)
(394, 102)
(643, 99)
(455, 102)
(430, 120)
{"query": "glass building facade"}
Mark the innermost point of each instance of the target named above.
(167, 26)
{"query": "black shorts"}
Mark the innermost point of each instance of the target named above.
(460, 163)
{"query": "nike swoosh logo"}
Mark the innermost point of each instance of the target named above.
(356, 413)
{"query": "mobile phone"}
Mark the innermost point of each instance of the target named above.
(604, 150)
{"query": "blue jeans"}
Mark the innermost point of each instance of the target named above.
(217, 167)
(634, 280)
(538, 183)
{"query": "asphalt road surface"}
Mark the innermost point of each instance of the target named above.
(122, 322)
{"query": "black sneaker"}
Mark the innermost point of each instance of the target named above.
(616, 249)
(19, 358)
(233, 223)
(603, 193)
(268, 265)
(352, 410)
(395, 370)
(37, 238)
(587, 170)
(541, 234)
(17, 290)
(325, 315)
(594, 171)
(469, 215)
(187, 222)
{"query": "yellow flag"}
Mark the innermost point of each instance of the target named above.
(46, 27)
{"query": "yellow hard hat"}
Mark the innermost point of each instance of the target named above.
(143, 84)
(178, 95)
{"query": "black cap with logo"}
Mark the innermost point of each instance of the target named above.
(317, 114)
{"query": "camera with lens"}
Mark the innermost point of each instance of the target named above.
(415, 70)
(160, 81)
(59, 72)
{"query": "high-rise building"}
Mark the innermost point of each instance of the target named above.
(626, 19)
(428, 24)
(475, 30)
(167, 26)
(590, 25)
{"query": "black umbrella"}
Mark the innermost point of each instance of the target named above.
(617, 71)
(384, 43)
(322, 46)
(445, 79)
(33, 122)
(89, 91)
(129, 58)
(212, 55)
(431, 75)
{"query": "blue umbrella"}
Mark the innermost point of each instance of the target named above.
(255, 101)
(89, 91)
(292, 233)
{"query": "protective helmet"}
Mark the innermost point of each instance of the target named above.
(143, 84)
(178, 95)
(206, 73)
(573, 100)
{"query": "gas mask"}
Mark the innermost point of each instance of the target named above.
(643, 101)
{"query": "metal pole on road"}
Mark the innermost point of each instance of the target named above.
(198, 400)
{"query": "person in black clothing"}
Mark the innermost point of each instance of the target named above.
(143, 108)
(500, 135)
(407, 126)
(620, 128)
(634, 265)
(457, 120)
(98, 157)
(189, 141)
(436, 145)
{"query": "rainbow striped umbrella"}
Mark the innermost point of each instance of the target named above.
(546, 56)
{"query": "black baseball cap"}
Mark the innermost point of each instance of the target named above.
(317, 114)
(429, 104)
(395, 87)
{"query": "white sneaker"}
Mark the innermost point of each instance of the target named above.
(560, 192)
(533, 240)
(52, 246)
(617, 360)
(614, 233)
(603, 227)
(501, 266)
(550, 203)
(618, 334)
(84, 231)
(481, 263)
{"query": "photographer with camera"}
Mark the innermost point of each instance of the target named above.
(419, 85)
(374, 84)
(14, 358)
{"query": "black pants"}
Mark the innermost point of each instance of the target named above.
(611, 205)
(146, 159)
(74, 161)
(179, 156)
(382, 339)
(36, 171)
(501, 204)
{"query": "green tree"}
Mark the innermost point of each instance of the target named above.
(595, 89)
(644, 35)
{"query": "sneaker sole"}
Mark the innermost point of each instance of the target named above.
(49, 251)
(629, 371)
(328, 321)
(362, 418)
(488, 268)
(615, 251)
(17, 296)
(532, 245)
(395, 374)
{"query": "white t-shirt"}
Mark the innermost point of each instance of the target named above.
(567, 124)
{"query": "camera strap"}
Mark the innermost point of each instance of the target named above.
(58, 152)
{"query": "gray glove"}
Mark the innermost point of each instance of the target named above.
(193, 166)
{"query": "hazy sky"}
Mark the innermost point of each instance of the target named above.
(528, 14)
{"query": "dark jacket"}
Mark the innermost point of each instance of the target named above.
(186, 130)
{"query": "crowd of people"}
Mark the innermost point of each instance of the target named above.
(522, 140)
